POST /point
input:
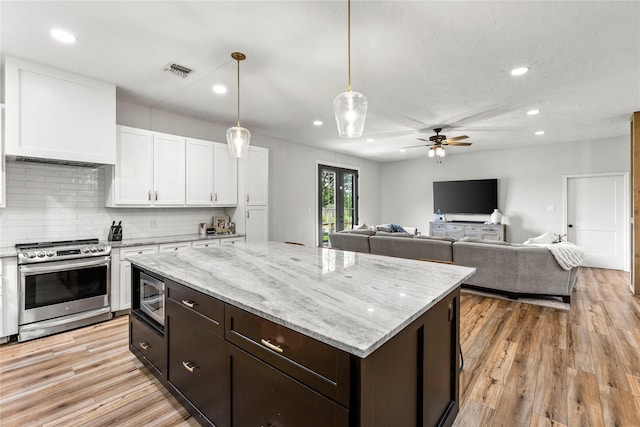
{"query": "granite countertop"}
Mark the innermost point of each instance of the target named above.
(352, 301)
(8, 251)
(169, 239)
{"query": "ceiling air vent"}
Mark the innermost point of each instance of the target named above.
(177, 69)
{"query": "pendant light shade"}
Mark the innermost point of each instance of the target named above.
(238, 138)
(350, 108)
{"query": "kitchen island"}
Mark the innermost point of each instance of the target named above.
(283, 335)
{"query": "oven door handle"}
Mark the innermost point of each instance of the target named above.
(64, 265)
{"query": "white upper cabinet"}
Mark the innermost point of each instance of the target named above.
(169, 170)
(133, 177)
(257, 177)
(199, 172)
(2, 165)
(225, 176)
(52, 114)
(150, 169)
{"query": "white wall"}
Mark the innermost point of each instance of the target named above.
(292, 172)
(529, 180)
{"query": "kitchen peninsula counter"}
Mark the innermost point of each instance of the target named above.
(268, 333)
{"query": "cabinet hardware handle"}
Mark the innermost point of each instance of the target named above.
(211, 197)
(188, 303)
(216, 198)
(273, 347)
(156, 195)
(247, 214)
(189, 365)
(149, 195)
(247, 198)
(450, 311)
(144, 345)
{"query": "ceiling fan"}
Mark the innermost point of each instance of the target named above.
(437, 142)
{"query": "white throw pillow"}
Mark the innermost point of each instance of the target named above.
(543, 239)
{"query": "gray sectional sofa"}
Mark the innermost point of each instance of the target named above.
(511, 269)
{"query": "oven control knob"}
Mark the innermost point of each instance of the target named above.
(94, 249)
(85, 250)
(41, 254)
(50, 253)
(31, 255)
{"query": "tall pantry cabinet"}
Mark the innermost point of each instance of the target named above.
(252, 214)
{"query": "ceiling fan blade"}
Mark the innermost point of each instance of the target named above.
(422, 139)
(459, 144)
(415, 146)
(457, 138)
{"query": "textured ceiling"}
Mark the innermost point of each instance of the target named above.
(421, 64)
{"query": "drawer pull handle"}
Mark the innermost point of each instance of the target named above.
(189, 365)
(144, 345)
(188, 303)
(273, 347)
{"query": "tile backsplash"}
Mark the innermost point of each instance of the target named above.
(51, 202)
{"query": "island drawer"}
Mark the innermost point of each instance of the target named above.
(198, 302)
(315, 364)
(148, 343)
(264, 396)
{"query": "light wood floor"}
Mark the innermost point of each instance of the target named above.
(525, 365)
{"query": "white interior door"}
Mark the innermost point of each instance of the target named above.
(597, 217)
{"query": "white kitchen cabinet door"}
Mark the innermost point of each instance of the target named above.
(53, 114)
(9, 297)
(199, 173)
(3, 180)
(125, 275)
(257, 224)
(169, 170)
(172, 247)
(231, 240)
(225, 176)
(133, 177)
(205, 243)
(257, 177)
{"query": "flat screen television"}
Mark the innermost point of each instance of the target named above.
(477, 196)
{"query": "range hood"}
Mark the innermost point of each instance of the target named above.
(55, 162)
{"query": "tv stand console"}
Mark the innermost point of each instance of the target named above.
(458, 230)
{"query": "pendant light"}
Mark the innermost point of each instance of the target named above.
(238, 138)
(350, 108)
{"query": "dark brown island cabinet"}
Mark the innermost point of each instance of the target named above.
(229, 367)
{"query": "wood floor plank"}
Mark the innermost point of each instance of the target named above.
(525, 365)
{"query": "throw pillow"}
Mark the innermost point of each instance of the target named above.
(364, 231)
(362, 227)
(386, 233)
(543, 239)
(384, 228)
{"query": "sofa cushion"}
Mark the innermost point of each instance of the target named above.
(425, 249)
(446, 239)
(386, 233)
(487, 242)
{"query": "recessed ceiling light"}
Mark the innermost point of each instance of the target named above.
(540, 132)
(63, 36)
(317, 122)
(402, 150)
(219, 89)
(533, 112)
(519, 71)
(369, 139)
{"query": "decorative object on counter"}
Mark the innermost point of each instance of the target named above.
(232, 227)
(211, 230)
(221, 224)
(202, 229)
(560, 238)
(115, 232)
(350, 108)
(438, 216)
(238, 137)
(496, 217)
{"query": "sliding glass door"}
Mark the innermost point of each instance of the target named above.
(338, 200)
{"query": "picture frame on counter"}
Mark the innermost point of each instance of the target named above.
(221, 224)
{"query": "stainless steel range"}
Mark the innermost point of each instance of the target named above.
(63, 285)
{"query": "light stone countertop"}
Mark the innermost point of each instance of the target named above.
(169, 239)
(8, 251)
(352, 301)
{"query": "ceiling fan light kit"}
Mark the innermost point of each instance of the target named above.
(350, 108)
(436, 143)
(238, 138)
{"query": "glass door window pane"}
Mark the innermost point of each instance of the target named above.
(338, 201)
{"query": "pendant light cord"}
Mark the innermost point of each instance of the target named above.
(238, 61)
(349, 39)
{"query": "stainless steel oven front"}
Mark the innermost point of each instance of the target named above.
(59, 295)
